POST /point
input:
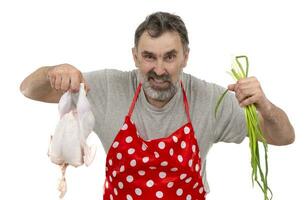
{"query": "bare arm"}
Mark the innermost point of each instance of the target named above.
(48, 83)
(276, 126)
(274, 122)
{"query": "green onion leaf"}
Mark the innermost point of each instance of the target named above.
(254, 132)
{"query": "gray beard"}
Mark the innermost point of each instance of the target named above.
(158, 95)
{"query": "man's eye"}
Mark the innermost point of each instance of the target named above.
(148, 57)
(170, 57)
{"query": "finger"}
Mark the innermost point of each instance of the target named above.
(65, 83)
(239, 96)
(250, 82)
(231, 87)
(245, 93)
(58, 82)
(52, 80)
(248, 101)
(75, 83)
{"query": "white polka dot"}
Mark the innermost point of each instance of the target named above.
(164, 163)
(175, 139)
(162, 174)
(130, 151)
(150, 183)
(114, 173)
(171, 152)
(152, 167)
(122, 168)
(182, 176)
(128, 139)
(188, 180)
(159, 194)
(115, 144)
(174, 169)
(144, 147)
(190, 163)
(124, 127)
(193, 148)
(110, 162)
(138, 191)
(133, 163)
(201, 190)
(199, 154)
(120, 184)
(111, 197)
(170, 184)
(119, 156)
(186, 130)
(179, 192)
(156, 154)
(145, 159)
(107, 184)
(128, 197)
(115, 191)
(161, 145)
(183, 144)
(197, 167)
(129, 178)
(196, 184)
(180, 158)
(141, 172)
(110, 178)
(188, 197)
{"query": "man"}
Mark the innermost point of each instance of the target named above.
(160, 53)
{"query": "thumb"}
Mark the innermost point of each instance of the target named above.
(231, 87)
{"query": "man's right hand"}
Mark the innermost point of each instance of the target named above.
(66, 77)
(48, 83)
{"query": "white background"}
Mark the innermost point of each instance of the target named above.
(99, 34)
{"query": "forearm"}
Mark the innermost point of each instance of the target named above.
(276, 126)
(36, 85)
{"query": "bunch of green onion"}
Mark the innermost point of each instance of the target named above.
(253, 129)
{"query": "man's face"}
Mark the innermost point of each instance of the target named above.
(160, 61)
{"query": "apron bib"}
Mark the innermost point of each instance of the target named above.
(164, 168)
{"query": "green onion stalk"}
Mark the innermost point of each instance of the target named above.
(254, 131)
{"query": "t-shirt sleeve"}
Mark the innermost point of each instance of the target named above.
(230, 124)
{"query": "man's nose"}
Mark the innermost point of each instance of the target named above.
(159, 68)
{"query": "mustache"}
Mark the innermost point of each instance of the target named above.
(152, 74)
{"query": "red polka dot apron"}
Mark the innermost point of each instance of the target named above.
(164, 168)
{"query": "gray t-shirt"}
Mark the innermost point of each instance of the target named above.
(112, 92)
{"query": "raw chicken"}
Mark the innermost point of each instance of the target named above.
(68, 143)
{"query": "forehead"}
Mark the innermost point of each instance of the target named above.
(162, 44)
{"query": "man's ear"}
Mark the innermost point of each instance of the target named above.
(186, 55)
(134, 53)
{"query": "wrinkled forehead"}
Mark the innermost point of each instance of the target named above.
(161, 45)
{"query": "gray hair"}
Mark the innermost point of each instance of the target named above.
(160, 22)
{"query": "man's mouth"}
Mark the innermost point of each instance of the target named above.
(159, 84)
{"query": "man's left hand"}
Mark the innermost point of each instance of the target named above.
(248, 91)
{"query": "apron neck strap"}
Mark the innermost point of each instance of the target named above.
(138, 91)
(185, 102)
(131, 108)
